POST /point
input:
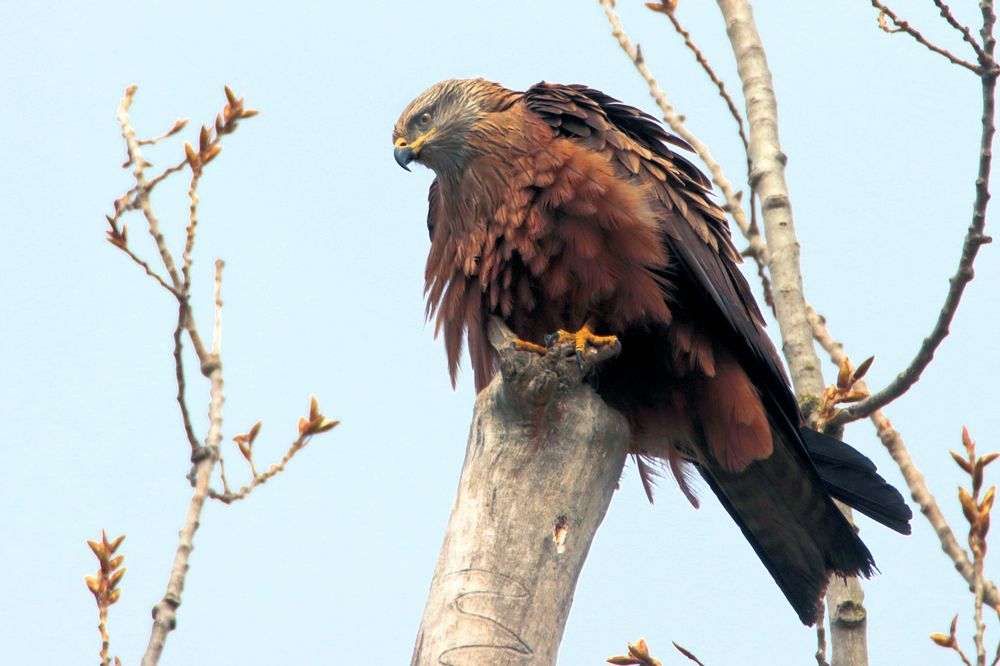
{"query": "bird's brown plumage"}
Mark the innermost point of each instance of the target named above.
(560, 207)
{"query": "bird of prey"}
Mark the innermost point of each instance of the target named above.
(563, 211)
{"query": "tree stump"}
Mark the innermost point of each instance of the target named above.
(544, 457)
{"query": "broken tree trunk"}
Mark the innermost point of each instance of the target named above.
(543, 459)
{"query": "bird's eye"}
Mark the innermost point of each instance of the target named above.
(425, 118)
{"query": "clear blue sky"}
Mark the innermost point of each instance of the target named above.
(324, 241)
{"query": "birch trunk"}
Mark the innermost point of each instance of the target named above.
(845, 599)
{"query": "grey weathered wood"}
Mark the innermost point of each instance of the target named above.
(543, 459)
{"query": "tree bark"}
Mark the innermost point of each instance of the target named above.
(544, 457)
(845, 598)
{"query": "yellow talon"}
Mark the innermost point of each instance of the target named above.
(581, 340)
(585, 336)
(524, 345)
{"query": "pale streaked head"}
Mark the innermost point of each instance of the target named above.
(437, 129)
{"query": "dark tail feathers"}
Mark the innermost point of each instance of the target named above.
(852, 478)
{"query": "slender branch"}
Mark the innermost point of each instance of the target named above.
(165, 612)
(978, 591)
(669, 9)
(756, 248)
(227, 497)
(178, 125)
(192, 226)
(145, 266)
(129, 201)
(915, 481)
(138, 163)
(222, 475)
(104, 587)
(845, 598)
(182, 314)
(975, 238)
(203, 456)
(163, 176)
(217, 329)
(768, 178)
(904, 26)
(957, 25)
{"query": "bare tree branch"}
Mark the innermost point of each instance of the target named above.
(182, 314)
(165, 611)
(227, 497)
(670, 10)
(204, 458)
(845, 598)
(889, 436)
(138, 164)
(191, 228)
(915, 481)
(675, 121)
(756, 248)
(769, 180)
(975, 238)
(957, 25)
(904, 26)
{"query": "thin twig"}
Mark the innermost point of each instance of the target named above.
(975, 238)
(182, 314)
(904, 26)
(217, 329)
(669, 8)
(203, 456)
(192, 226)
(222, 475)
(227, 497)
(138, 163)
(957, 25)
(163, 176)
(130, 200)
(177, 127)
(165, 612)
(977, 591)
(145, 266)
(756, 249)
(921, 494)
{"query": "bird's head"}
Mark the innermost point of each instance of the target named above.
(438, 128)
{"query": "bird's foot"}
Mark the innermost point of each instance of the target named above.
(589, 348)
(582, 339)
(570, 357)
(605, 346)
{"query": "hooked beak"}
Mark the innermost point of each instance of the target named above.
(406, 152)
(403, 153)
